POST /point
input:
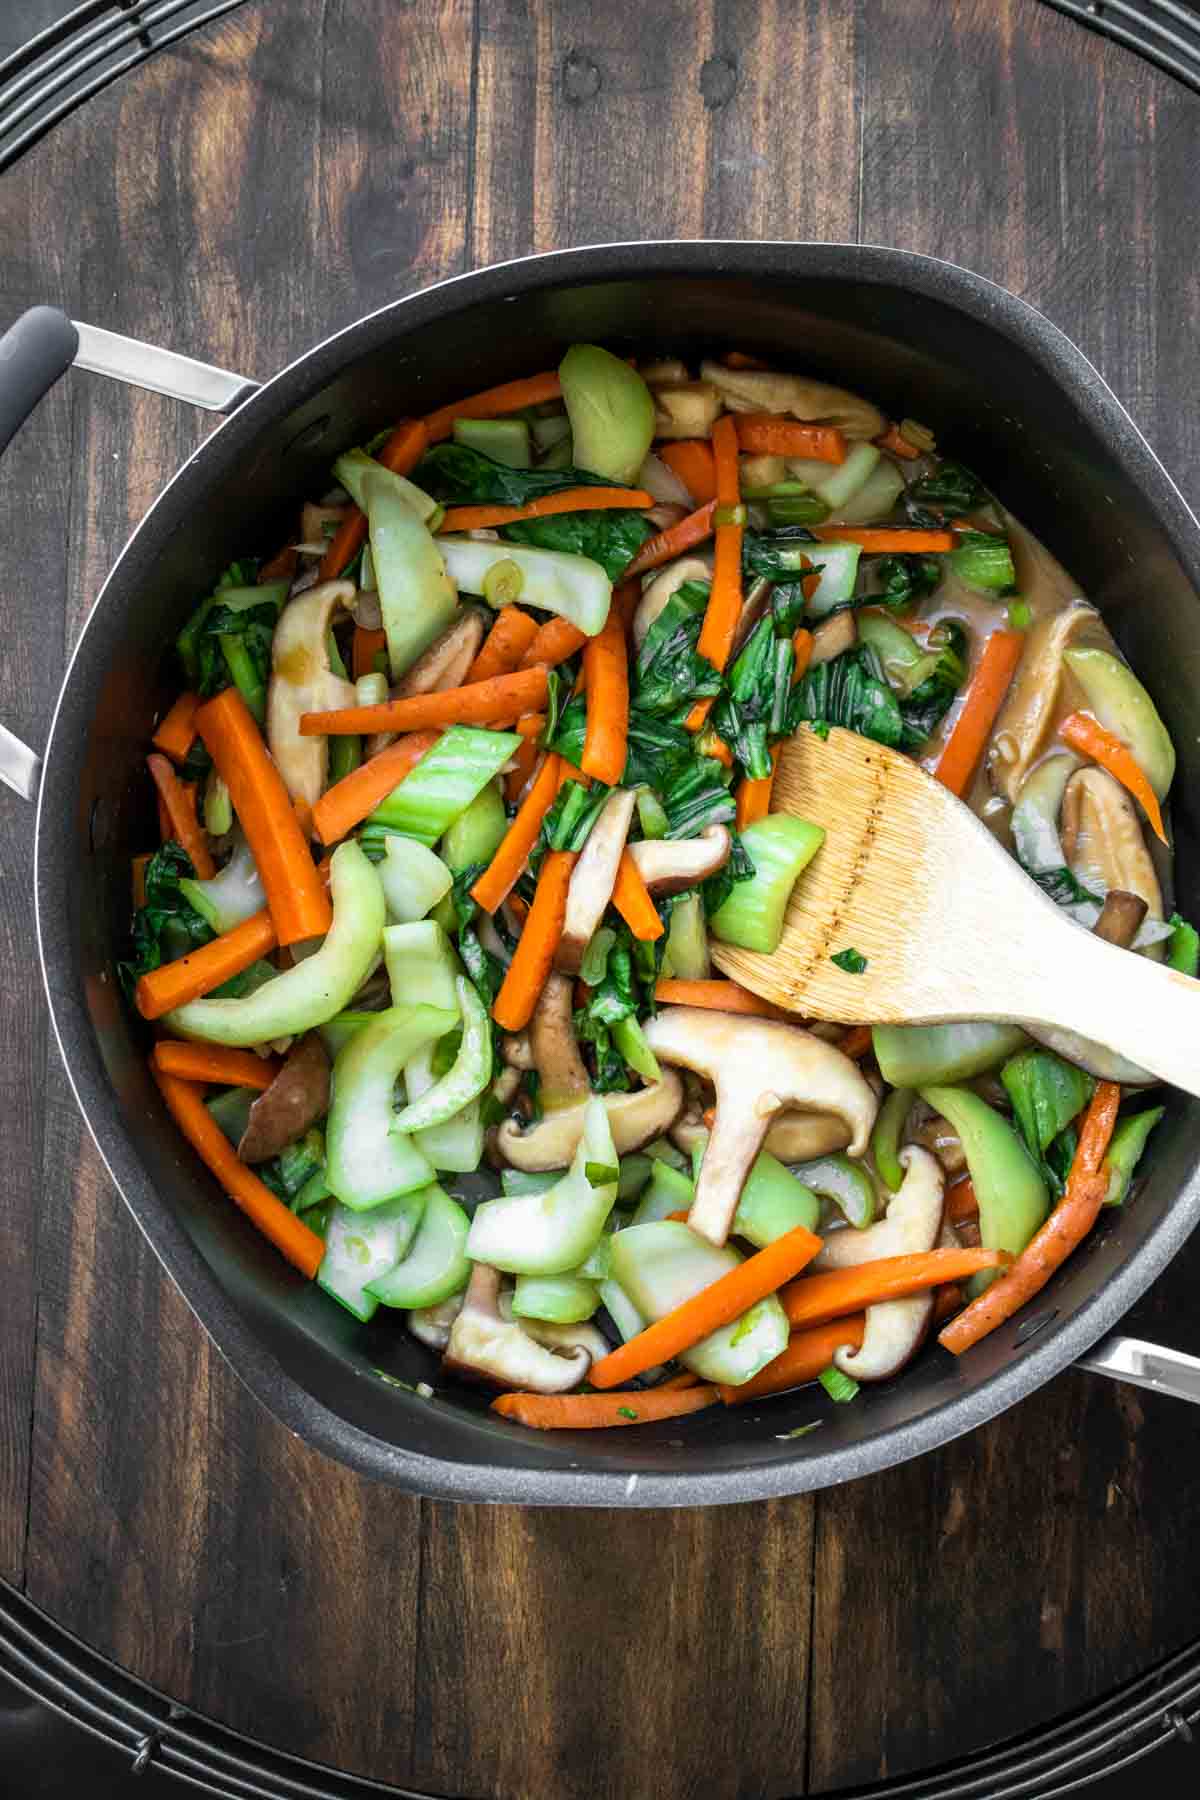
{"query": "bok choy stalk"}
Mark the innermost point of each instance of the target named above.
(368, 1160)
(441, 786)
(574, 587)
(353, 469)
(468, 1075)
(887, 1135)
(561, 1299)
(360, 1248)
(846, 1183)
(911, 1056)
(779, 846)
(983, 561)
(435, 1265)
(1009, 1186)
(1125, 1152)
(661, 1265)
(502, 440)
(552, 1232)
(610, 409)
(417, 596)
(315, 989)
(413, 879)
(235, 893)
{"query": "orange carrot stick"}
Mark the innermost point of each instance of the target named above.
(770, 434)
(512, 853)
(856, 1043)
(807, 1353)
(676, 1382)
(877, 538)
(715, 996)
(524, 763)
(725, 595)
(592, 1412)
(725, 1300)
(802, 644)
(892, 439)
(754, 797)
(965, 745)
(697, 528)
(294, 890)
(534, 955)
(556, 641)
(302, 1247)
(200, 971)
(482, 703)
(631, 897)
(493, 403)
(280, 567)
(177, 732)
(947, 1301)
(401, 453)
(1086, 734)
(961, 1202)
(606, 680)
(692, 460)
(349, 800)
(214, 1064)
(1062, 1232)
(738, 359)
(139, 880)
(546, 506)
(815, 1298)
(365, 647)
(505, 645)
(179, 801)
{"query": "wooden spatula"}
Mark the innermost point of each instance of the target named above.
(950, 926)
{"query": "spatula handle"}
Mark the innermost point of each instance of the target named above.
(1139, 1008)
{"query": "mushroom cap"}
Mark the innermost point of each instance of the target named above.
(296, 1099)
(668, 865)
(561, 1072)
(768, 391)
(1023, 727)
(593, 878)
(431, 1324)
(895, 1329)
(634, 1119)
(659, 590)
(485, 1346)
(759, 1067)
(445, 663)
(302, 681)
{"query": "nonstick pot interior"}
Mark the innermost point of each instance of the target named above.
(1007, 394)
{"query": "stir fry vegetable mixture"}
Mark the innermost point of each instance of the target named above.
(462, 784)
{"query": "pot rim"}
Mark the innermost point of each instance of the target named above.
(255, 1365)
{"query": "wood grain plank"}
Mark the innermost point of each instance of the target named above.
(34, 503)
(634, 1655)
(1025, 1547)
(780, 85)
(173, 1523)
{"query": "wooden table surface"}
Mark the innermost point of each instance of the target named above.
(240, 198)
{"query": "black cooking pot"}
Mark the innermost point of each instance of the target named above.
(1003, 389)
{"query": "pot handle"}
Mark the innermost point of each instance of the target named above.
(1171, 1372)
(42, 345)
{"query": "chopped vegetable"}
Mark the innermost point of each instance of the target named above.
(632, 900)
(851, 960)
(814, 1298)
(1090, 738)
(715, 996)
(1125, 1152)
(695, 529)
(177, 732)
(983, 560)
(609, 538)
(400, 453)
(551, 1232)
(1122, 706)
(1183, 949)
(808, 1353)
(839, 1387)
(539, 938)
(692, 460)
(574, 587)
(887, 1136)
(505, 645)
(606, 684)
(593, 1412)
(779, 846)
(302, 1247)
(1063, 1231)
(490, 702)
(768, 434)
(914, 1055)
(213, 1064)
(426, 801)
(989, 684)
(611, 411)
(849, 690)
(492, 403)
(1008, 1184)
(180, 803)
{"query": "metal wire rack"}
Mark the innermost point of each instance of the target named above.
(120, 1712)
(93, 45)
(101, 40)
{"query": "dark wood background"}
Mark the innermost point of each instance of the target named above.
(239, 198)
